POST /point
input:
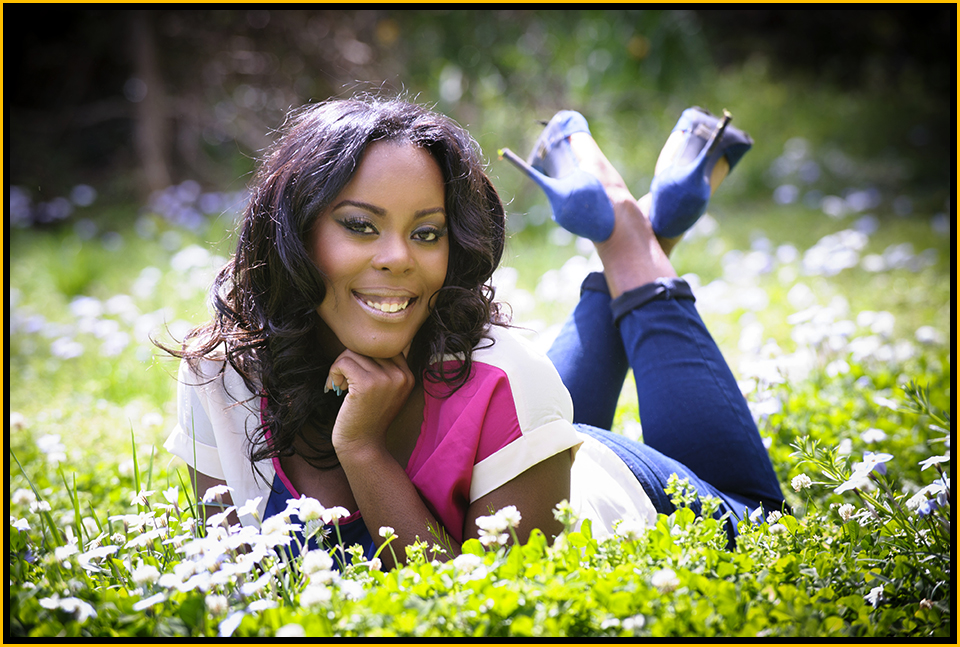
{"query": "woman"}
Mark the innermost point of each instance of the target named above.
(356, 355)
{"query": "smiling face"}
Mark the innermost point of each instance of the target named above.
(382, 247)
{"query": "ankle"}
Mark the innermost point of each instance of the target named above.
(632, 256)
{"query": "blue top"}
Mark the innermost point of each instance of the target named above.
(352, 531)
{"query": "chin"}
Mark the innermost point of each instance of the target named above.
(380, 350)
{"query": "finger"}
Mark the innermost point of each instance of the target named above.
(335, 382)
(345, 369)
(351, 368)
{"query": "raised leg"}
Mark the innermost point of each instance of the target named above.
(690, 405)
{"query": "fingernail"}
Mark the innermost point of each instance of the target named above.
(336, 389)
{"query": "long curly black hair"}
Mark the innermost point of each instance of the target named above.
(265, 321)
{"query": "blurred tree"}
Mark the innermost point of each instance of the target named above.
(65, 73)
(195, 94)
(854, 48)
(147, 90)
(183, 91)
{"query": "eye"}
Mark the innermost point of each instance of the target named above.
(358, 226)
(429, 234)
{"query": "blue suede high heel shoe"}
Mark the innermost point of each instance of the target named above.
(578, 200)
(682, 188)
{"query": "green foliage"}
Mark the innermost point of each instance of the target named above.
(880, 571)
(98, 549)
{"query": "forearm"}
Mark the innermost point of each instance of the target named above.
(386, 497)
(202, 483)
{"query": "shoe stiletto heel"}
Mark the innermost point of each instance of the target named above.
(683, 181)
(578, 200)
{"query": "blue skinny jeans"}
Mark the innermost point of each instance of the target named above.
(695, 420)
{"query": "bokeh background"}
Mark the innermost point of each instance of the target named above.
(129, 103)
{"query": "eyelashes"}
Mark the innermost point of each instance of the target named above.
(363, 227)
(430, 234)
(358, 226)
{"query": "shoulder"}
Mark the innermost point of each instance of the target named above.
(213, 378)
(505, 349)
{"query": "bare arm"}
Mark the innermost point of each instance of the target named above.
(535, 493)
(386, 497)
(384, 493)
(202, 483)
(377, 389)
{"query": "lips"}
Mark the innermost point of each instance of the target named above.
(385, 304)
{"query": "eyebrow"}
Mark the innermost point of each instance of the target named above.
(381, 212)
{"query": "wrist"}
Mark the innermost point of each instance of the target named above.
(359, 451)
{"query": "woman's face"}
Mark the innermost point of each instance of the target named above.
(382, 247)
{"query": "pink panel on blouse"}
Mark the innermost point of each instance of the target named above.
(459, 430)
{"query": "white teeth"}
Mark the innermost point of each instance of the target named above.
(388, 307)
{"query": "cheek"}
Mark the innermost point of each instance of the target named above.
(440, 267)
(334, 258)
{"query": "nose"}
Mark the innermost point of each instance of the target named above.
(393, 254)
